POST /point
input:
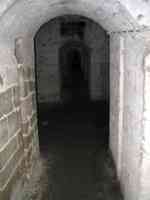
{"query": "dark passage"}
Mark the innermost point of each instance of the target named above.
(74, 133)
(77, 82)
(74, 70)
(75, 140)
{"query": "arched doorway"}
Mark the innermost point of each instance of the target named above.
(74, 61)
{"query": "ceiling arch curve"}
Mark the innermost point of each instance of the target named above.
(21, 17)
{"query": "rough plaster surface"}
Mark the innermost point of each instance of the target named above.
(132, 149)
(22, 18)
(114, 94)
(145, 148)
(140, 10)
(132, 116)
(111, 14)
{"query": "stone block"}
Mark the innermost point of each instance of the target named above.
(20, 73)
(26, 108)
(11, 186)
(23, 89)
(25, 128)
(23, 110)
(16, 97)
(34, 102)
(30, 106)
(19, 50)
(6, 153)
(20, 139)
(29, 156)
(27, 86)
(3, 132)
(33, 119)
(31, 73)
(13, 123)
(31, 86)
(26, 73)
(19, 117)
(6, 104)
(28, 139)
(36, 141)
(23, 81)
(9, 169)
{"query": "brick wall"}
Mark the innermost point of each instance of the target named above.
(18, 120)
(11, 146)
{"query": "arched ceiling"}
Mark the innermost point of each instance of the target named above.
(21, 17)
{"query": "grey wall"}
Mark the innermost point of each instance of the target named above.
(48, 41)
(23, 19)
(132, 116)
(18, 119)
(126, 111)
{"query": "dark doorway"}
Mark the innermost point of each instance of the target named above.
(74, 130)
(74, 68)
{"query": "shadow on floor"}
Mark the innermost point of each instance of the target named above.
(74, 140)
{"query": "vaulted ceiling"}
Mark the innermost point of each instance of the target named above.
(22, 17)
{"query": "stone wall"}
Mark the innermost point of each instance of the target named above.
(116, 96)
(21, 18)
(129, 116)
(48, 41)
(18, 120)
(145, 141)
(132, 116)
(10, 140)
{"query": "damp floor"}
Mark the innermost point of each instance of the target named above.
(74, 139)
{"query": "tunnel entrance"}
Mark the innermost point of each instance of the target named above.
(73, 107)
(74, 136)
(72, 73)
(74, 64)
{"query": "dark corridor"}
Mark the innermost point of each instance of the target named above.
(74, 69)
(76, 74)
(74, 132)
(74, 140)
(74, 137)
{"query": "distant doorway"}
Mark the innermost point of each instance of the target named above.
(74, 70)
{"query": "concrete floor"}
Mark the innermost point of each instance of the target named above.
(75, 140)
